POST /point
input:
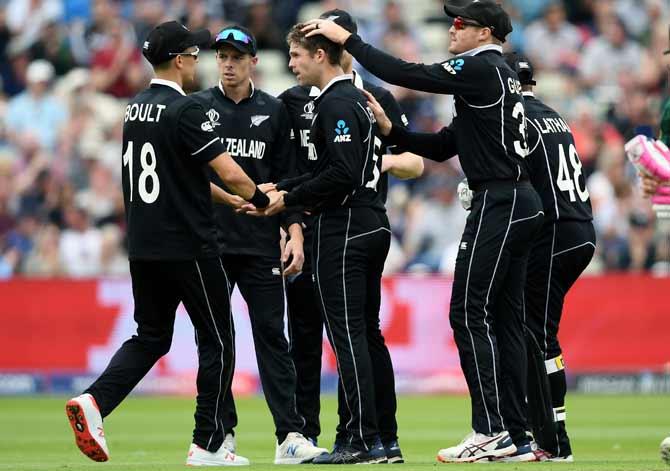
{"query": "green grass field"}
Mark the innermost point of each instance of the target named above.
(608, 433)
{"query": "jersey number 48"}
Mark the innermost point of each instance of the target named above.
(567, 182)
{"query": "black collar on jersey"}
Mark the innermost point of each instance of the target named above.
(167, 83)
(339, 78)
(251, 95)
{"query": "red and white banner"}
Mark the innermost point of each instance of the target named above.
(58, 328)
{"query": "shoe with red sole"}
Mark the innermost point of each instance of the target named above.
(86, 421)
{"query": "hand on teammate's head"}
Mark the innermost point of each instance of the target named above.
(327, 28)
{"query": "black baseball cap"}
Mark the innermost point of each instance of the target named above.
(341, 18)
(168, 39)
(237, 36)
(522, 66)
(486, 13)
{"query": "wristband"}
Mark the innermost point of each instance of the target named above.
(260, 199)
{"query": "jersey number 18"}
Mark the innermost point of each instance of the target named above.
(148, 163)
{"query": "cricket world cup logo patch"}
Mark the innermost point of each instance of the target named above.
(213, 116)
(308, 110)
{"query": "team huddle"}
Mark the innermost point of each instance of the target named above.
(285, 198)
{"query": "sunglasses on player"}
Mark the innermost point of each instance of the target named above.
(238, 35)
(193, 54)
(462, 23)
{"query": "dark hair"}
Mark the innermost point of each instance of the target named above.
(312, 44)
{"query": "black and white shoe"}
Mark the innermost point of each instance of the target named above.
(347, 454)
(393, 453)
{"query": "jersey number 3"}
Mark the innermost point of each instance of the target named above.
(148, 163)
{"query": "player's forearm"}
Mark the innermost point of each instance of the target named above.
(404, 166)
(237, 181)
(332, 183)
(434, 146)
(391, 69)
(288, 184)
(219, 195)
(295, 232)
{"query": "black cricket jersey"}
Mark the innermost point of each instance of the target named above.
(167, 143)
(346, 141)
(555, 168)
(256, 133)
(488, 131)
(299, 101)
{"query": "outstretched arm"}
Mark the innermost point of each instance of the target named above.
(454, 76)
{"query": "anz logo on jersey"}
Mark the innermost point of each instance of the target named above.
(342, 132)
(454, 65)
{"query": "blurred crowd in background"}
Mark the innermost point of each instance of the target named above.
(68, 67)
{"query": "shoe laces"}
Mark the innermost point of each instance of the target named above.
(468, 438)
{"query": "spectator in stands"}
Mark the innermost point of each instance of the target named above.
(6, 217)
(261, 24)
(80, 245)
(552, 42)
(608, 57)
(52, 45)
(27, 19)
(35, 117)
(117, 67)
(99, 197)
(44, 259)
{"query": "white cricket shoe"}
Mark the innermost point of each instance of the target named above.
(296, 449)
(477, 446)
(562, 459)
(229, 442)
(86, 421)
(665, 450)
(223, 457)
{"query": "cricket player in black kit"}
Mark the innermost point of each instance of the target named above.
(306, 323)
(564, 246)
(168, 144)
(352, 234)
(488, 134)
(255, 128)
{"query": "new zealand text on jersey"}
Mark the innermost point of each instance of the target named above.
(244, 147)
(144, 112)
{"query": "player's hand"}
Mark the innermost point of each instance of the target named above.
(236, 202)
(465, 194)
(276, 205)
(267, 187)
(294, 248)
(327, 28)
(383, 121)
(649, 185)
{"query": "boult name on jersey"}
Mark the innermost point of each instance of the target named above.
(146, 113)
(250, 148)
